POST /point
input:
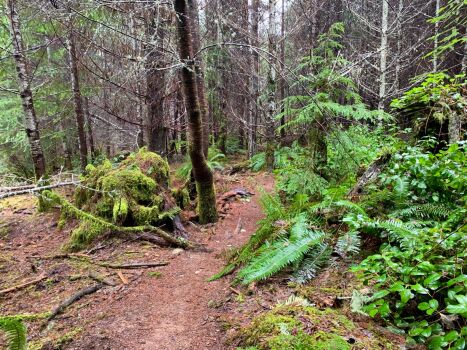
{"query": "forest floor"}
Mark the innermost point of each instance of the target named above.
(167, 308)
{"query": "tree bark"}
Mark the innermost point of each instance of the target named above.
(155, 82)
(383, 55)
(77, 99)
(254, 110)
(30, 119)
(203, 101)
(282, 81)
(202, 173)
(92, 148)
(271, 86)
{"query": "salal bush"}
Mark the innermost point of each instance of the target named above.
(418, 277)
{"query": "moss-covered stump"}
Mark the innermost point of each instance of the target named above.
(299, 326)
(134, 193)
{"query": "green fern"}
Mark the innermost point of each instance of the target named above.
(313, 262)
(15, 332)
(348, 244)
(274, 257)
(423, 211)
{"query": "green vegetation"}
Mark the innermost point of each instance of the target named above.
(15, 332)
(297, 325)
(131, 195)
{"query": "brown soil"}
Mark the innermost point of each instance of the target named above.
(171, 307)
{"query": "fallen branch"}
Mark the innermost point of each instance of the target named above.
(22, 285)
(36, 189)
(133, 266)
(74, 298)
(87, 259)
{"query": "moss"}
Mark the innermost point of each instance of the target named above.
(62, 220)
(83, 235)
(151, 164)
(181, 196)
(207, 210)
(120, 210)
(134, 193)
(296, 326)
(145, 215)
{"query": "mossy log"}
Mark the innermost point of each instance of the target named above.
(96, 226)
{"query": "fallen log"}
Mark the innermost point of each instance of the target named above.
(23, 285)
(74, 298)
(370, 175)
(82, 215)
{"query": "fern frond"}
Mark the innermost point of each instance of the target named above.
(314, 261)
(277, 256)
(423, 211)
(15, 332)
(399, 229)
(348, 244)
(350, 206)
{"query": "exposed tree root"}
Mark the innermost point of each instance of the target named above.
(74, 298)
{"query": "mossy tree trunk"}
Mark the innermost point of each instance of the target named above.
(30, 120)
(203, 175)
(203, 101)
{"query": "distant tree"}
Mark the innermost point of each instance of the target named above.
(22, 69)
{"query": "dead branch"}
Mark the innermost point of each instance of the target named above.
(74, 298)
(87, 259)
(36, 189)
(23, 285)
(133, 265)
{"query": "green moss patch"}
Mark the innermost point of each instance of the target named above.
(132, 193)
(296, 326)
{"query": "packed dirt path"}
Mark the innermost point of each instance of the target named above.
(175, 311)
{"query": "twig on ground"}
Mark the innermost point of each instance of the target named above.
(23, 285)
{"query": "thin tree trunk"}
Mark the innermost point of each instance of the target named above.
(202, 173)
(203, 101)
(282, 81)
(435, 43)
(30, 119)
(383, 55)
(155, 82)
(89, 128)
(271, 87)
(254, 110)
(78, 103)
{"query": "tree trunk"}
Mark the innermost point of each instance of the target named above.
(155, 82)
(271, 87)
(282, 81)
(92, 148)
(30, 119)
(254, 110)
(203, 102)
(383, 55)
(435, 43)
(203, 175)
(78, 103)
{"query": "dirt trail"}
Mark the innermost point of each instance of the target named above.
(175, 311)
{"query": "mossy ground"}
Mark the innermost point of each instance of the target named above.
(300, 326)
